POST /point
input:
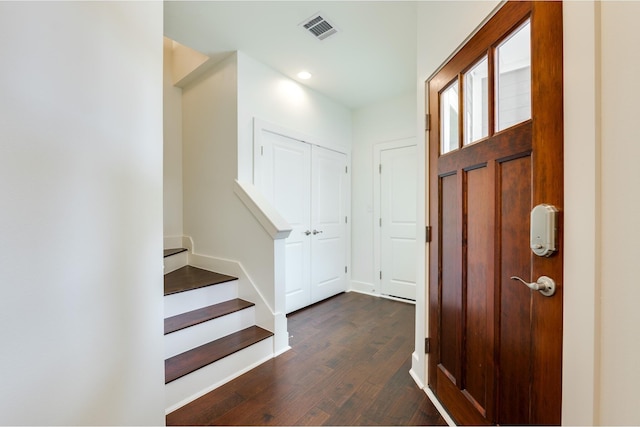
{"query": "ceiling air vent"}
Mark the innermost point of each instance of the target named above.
(319, 27)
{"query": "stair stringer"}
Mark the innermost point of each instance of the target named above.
(266, 316)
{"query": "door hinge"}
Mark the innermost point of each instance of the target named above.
(379, 167)
(380, 222)
(428, 233)
(427, 345)
(346, 169)
(345, 268)
(427, 122)
(262, 150)
(345, 220)
(380, 274)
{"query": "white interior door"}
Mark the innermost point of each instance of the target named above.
(286, 183)
(328, 219)
(398, 182)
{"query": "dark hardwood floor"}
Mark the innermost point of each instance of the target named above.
(349, 365)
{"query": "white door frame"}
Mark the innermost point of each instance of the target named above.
(377, 150)
(260, 125)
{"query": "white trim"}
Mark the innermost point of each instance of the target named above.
(362, 287)
(259, 206)
(260, 125)
(230, 268)
(389, 297)
(439, 407)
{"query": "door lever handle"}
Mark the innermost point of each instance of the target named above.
(545, 285)
(316, 231)
(307, 232)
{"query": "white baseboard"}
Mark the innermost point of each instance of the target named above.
(363, 287)
(373, 294)
(443, 412)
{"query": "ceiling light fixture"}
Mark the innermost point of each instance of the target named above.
(304, 75)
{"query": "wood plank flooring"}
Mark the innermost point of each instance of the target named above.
(349, 365)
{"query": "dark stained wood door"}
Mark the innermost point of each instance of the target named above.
(496, 345)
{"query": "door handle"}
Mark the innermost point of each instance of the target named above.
(316, 231)
(545, 285)
(307, 232)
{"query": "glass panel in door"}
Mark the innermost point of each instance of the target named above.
(513, 79)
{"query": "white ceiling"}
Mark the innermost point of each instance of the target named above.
(371, 58)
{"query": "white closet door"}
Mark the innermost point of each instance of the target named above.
(398, 250)
(328, 219)
(286, 183)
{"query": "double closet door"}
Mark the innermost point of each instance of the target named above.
(308, 185)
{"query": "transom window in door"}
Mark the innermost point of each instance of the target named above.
(450, 122)
(513, 79)
(480, 107)
(476, 102)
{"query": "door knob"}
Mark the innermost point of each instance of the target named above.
(307, 232)
(316, 231)
(544, 284)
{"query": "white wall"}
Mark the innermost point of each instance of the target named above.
(384, 121)
(214, 217)
(81, 216)
(272, 97)
(620, 232)
(172, 194)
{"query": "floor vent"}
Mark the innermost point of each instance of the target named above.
(319, 27)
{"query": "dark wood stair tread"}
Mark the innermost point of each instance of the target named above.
(194, 359)
(201, 315)
(189, 277)
(173, 251)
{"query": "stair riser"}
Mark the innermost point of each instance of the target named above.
(188, 388)
(197, 298)
(174, 262)
(197, 335)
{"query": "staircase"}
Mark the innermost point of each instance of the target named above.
(210, 334)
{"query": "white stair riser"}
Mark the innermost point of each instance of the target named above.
(188, 388)
(174, 262)
(197, 335)
(183, 302)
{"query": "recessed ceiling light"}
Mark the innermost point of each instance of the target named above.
(304, 75)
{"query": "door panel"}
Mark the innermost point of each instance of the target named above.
(398, 222)
(496, 345)
(515, 298)
(329, 192)
(479, 296)
(286, 183)
(451, 284)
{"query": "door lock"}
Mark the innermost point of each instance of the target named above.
(316, 231)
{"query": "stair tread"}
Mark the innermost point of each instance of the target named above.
(201, 315)
(173, 251)
(189, 277)
(194, 359)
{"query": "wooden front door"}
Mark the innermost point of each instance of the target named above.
(495, 153)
